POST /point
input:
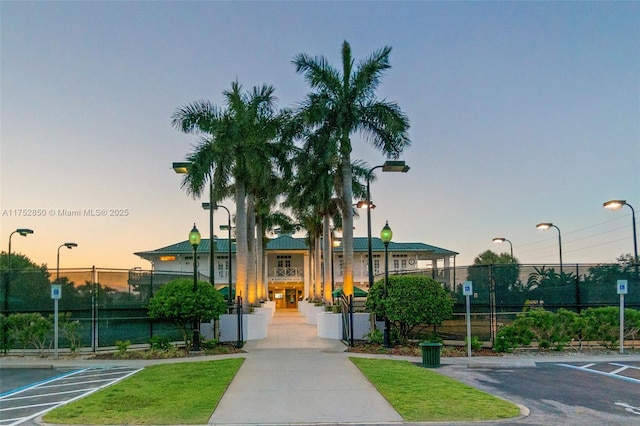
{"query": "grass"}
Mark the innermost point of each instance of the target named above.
(156, 395)
(421, 395)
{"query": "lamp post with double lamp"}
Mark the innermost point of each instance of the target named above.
(194, 240)
(385, 235)
(618, 204)
(500, 240)
(183, 168)
(546, 226)
(55, 300)
(388, 166)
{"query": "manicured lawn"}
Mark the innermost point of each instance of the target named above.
(183, 393)
(422, 395)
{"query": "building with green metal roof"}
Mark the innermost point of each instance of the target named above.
(288, 271)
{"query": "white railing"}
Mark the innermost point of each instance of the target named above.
(290, 272)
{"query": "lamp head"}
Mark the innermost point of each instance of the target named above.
(70, 245)
(24, 231)
(363, 204)
(386, 234)
(614, 204)
(499, 240)
(194, 237)
(207, 206)
(181, 167)
(544, 226)
(395, 166)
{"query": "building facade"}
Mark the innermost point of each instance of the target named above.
(288, 270)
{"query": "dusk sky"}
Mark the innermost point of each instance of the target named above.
(521, 113)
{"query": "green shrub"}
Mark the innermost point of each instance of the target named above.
(123, 345)
(30, 330)
(411, 300)
(476, 344)
(375, 337)
(160, 343)
(70, 330)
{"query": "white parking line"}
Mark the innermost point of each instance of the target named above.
(94, 386)
(612, 375)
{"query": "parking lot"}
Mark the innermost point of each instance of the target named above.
(569, 393)
(29, 393)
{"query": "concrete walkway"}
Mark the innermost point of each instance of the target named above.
(293, 376)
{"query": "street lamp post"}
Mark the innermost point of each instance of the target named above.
(55, 300)
(183, 168)
(24, 232)
(194, 240)
(500, 240)
(618, 204)
(388, 166)
(230, 298)
(385, 235)
(546, 226)
(67, 245)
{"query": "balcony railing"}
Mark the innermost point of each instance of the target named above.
(286, 273)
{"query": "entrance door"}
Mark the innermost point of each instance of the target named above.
(291, 298)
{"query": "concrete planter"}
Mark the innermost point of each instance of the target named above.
(254, 327)
(267, 312)
(312, 314)
(329, 325)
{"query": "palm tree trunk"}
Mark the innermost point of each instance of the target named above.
(347, 224)
(260, 260)
(241, 241)
(252, 278)
(318, 269)
(326, 258)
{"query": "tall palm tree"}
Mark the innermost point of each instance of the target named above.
(232, 137)
(343, 102)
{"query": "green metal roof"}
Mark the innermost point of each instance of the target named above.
(183, 247)
(360, 244)
(287, 242)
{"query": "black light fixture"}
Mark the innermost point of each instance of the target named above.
(385, 235)
(500, 240)
(194, 240)
(618, 204)
(230, 298)
(388, 166)
(67, 245)
(546, 226)
(22, 231)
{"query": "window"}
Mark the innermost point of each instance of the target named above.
(283, 261)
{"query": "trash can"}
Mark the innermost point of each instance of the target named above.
(431, 354)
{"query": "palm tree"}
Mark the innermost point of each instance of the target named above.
(232, 138)
(342, 103)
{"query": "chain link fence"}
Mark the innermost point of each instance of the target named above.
(111, 305)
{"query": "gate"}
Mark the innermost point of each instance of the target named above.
(346, 307)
